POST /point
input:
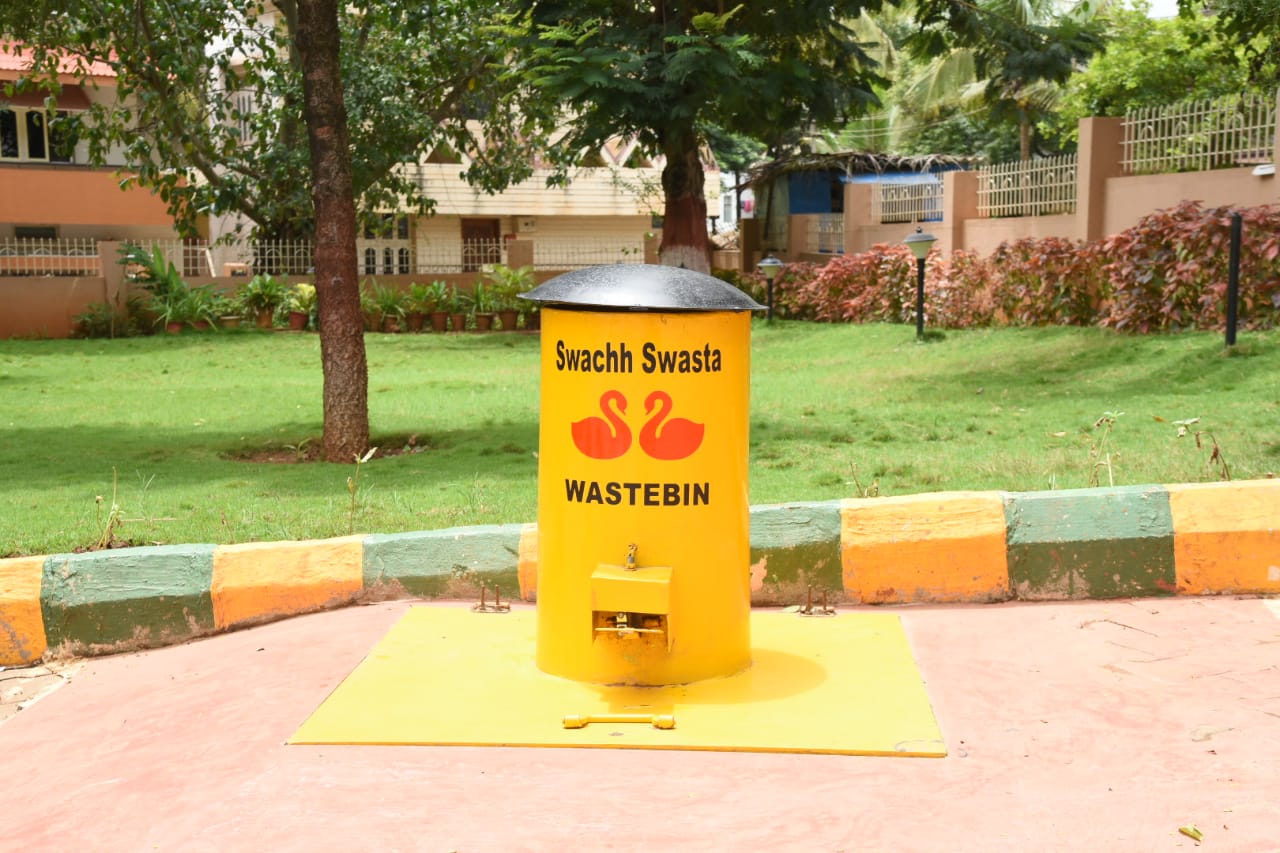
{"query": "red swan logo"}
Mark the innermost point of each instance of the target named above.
(668, 439)
(607, 437)
(662, 438)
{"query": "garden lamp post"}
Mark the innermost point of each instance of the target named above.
(920, 243)
(769, 266)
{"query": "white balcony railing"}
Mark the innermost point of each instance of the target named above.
(49, 257)
(1196, 136)
(918, 202)
(1028, 187)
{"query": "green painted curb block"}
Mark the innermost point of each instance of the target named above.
(1090, 543)
(427, 562)
(798, 543)
(132, 596)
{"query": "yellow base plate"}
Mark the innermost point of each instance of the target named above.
(842, 684)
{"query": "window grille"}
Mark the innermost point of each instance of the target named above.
(1028, 188)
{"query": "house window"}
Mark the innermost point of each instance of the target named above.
(8, 134)
(242, 112)
(387, 226)
(32, 135)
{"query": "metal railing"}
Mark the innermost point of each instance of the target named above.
(919, 202)
(830, 233)
(1195, 136)
(1028, 187)
(574, 254)
(197, 258)
(49, 257)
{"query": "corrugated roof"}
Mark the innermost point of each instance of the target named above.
(858, 163)
(16, 57)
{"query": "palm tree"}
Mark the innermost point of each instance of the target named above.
(1011, 57)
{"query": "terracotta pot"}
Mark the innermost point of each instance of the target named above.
(458, 322)
(201, 325)
(508, 319)
(414, 320)
(264, 318)
(173, 328)
(390, 324)
(229, 322)
(484, 322)
(297, 321)
(439, 321)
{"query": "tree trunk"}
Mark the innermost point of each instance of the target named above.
(342, 356)
(684, 222)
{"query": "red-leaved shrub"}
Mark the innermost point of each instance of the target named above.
(1170, 270)
(1167, 272)
(1046, 282)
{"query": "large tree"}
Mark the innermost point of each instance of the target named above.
(1148, 63)
(346, 383)
(1009, 56)
(670, 70)
(225, 107)
(210, 107)
(1248, 26)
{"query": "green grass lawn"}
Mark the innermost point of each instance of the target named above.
(175, 421)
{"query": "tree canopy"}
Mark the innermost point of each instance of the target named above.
(1251, 26)
(674, 71)
(1147, 63)
(210, 107)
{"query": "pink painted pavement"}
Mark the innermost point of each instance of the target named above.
(1092, 726)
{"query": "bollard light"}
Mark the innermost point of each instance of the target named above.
(920, 243)
(769, 266)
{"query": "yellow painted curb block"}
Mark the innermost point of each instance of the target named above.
(942, 547)
(1226, 537)
(22, 636)
(266, 580)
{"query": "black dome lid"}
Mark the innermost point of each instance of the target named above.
(642, 287)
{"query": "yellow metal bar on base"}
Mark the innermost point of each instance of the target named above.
(581, 721)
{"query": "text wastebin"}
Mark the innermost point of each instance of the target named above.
(643, 508)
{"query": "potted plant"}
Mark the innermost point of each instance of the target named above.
(483, 307)
(153, 272)
(507, 283)
(226, 309)
(174, 308)
(261, 296)
(369, 308)
(391, 305)
(202, 307)
(436, 304)
(418, 306)
(458, 305)
(302, 301)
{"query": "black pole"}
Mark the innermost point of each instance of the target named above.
(1233, 278)
(920, 299)
(770, 299)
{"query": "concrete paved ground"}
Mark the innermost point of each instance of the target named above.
(1081, 726)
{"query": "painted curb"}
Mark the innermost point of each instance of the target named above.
(1089, 543)
(132, 597)
(944, 547)
(1193, 539)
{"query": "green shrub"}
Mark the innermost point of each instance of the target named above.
(102, 320)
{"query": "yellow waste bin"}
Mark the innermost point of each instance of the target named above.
(643, 539)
